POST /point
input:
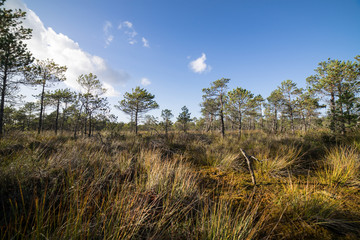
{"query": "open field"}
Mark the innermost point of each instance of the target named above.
(179, 120)
(188, 186)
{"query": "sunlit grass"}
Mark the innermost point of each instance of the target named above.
(224, 219)
(281, 163)
(341, 165)
(189, 186)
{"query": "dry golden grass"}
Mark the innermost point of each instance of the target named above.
(341, 165)
(189, 186)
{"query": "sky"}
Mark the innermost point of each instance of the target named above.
(175, 48)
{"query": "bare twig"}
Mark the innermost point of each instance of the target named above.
(249, 163)
(256, 159)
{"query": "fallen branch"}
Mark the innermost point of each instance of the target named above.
(256, 159)
(249, 163)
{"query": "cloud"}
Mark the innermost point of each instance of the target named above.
(107, 26)
(110, 91)
(109, 39)
(46, 43)
(145, 42)
(108, 36)
(128, 24)
(129, 31)
(199, 65)
(145, 82)
(132, 41)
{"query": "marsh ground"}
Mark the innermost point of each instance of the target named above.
(184, 186)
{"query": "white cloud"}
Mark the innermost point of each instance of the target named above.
(109, 39)
(110, 91)
(129, 31)
(145, 82)
(108, 36)
(145, 42)
(199, 65)
(132, 41)
(128, 24)
(46, 43)
(107, 27)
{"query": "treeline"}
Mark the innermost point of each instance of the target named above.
(334, 87)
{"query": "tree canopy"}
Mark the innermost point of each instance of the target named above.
(14, 55)
(136, 103)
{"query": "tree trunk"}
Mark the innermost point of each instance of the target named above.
(282, 124)
(136, 122)
(86, 115)
(85, 124)
(75, 129)
(332, 111)
(90, 125)
(63, 119)
(292, 121)
(222, 117)
(209, 128)
(275, 120)
(342, 118)
(29, 119)
(348, 114)
(240, 124)
(23, 125)
(2, 104)
(304, 122)
(41, 107)
(222, 123)
(57, 116)
(166, 129)
(261, 119)
(77, 122)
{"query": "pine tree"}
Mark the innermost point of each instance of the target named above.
(136, 103)
(339, 81)
(14, 55)
(90, 98)
(274, 102)
(184, 118)
(44, 73)
(218, 92)
(166, 115)
(289, 93)
(238, 104)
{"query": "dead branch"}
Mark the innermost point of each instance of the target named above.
(249, 163)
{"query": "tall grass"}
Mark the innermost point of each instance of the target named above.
(341, 165)
(287, 159)
(189, 186)
(227, 220)
(308, 210)
(80, 190)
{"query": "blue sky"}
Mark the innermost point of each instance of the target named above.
(151, 43)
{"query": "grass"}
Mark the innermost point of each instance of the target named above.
(341, 165)
(286, 159)
(227, 220)
(188, 186)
